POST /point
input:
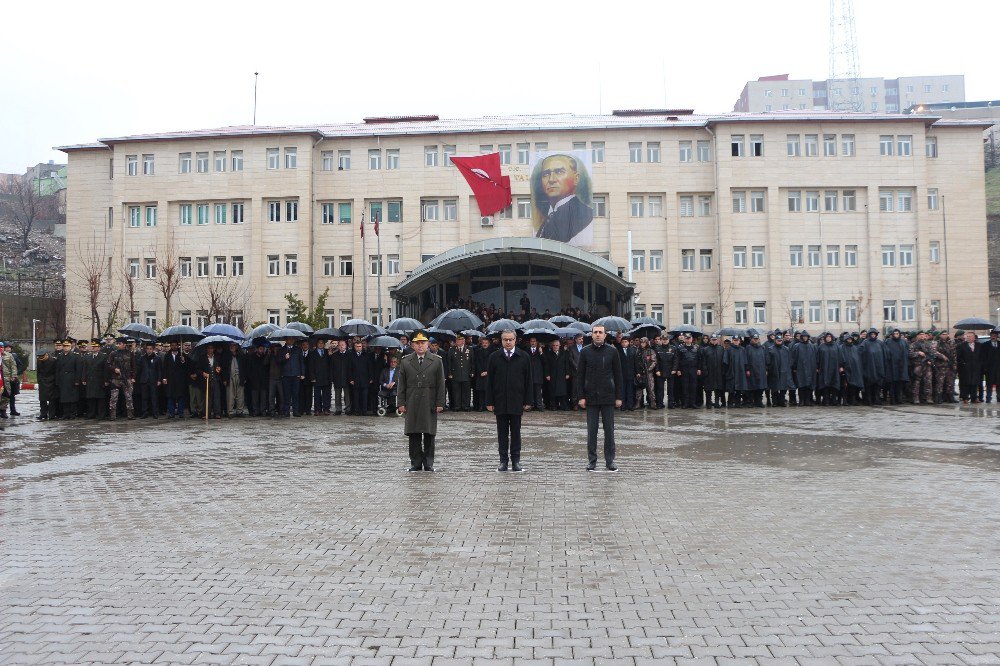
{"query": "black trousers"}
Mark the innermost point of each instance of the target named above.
(359, 399)
(148, 405)
(463, 392)
(421, 450)
(658, 385)
(509, 436)
(536, 400)
(873, 393)
(606, 415)
(479, 399)
(321, 398)
(689, 387)
(967, 391)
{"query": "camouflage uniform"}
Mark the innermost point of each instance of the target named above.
(647, 361)
(921, 372)
(945, 367)
(123, 361)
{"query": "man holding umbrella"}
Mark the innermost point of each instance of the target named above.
(420, 396)
(508, 395)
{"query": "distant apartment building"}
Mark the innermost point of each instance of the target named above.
(770, 94)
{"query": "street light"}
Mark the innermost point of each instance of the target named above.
(34, 362)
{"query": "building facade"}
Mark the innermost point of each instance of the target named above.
(770, 94)
(814, 220)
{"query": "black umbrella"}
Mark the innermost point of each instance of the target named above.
(581, 326)
(403, 325)
(501, 325)
(227, 330)
(386, 341)
(332, 333)
(685, 328)
(361, 328)
(732, 332)
(971, 324)
(262, 331)
(646, 321)
(440, 333)
(138, 331)
(458, 319)
(473, 333)
(539, 324)
(562, 320)
(180, 334)
(216, 340)
(283, 333)
(616, 324)
(300, 326)
(541, 334)
(647, 331)
(567, 333)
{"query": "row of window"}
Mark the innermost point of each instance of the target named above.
(889, 201)
(798, 312)
(191, 267)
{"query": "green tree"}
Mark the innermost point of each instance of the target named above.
(298, 310)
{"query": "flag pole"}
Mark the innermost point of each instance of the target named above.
(364, 315)
(207, 379)
(378, 278)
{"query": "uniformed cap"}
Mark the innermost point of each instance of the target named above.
(95, 341)
(419, 336)
(755, 336)
(69, 340)
(713, 337)
(41, 352)
(57, 342)
(994, 332)
(121, 339)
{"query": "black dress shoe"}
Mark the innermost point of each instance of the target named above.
(502, 467)
(13, 413)
(612, 467)
(415, 468)
(591, 466)
(428, 469)
(517, 467)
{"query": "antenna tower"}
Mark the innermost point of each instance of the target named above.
(844, 70)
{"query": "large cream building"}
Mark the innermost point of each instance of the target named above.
(812, 219)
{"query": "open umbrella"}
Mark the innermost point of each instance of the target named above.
(970, 324)
(138, 331)
(332, 333)
(403, 325)
(283, 333)
(501, 325)
(180, 334)
(223, 329)
(440, 333)
(562, 320)
(539, 324)
(567, 333)
(731, 332)
(215, 340)
(262, 331)
(458, 319)
(361, 328)
(386, 341)
(686, 328)
(646, 331)
(646, 321)
(616, 324)
(541, 334)
(581, 326)
(473, 333)
(300, 326)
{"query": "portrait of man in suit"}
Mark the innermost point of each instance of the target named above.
(560, 188)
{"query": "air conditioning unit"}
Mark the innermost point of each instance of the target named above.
(486, 221)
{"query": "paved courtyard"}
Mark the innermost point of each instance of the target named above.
(819, 535)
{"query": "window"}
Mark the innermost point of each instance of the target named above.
(705, 257)
(597, 151)
(430, 156)
(274, 317)
(328, 213)
(147, 165)
(740, 312)
(815, 311)
(793, 147)
(273, 158)
(851, 256)
(814, 256)
(851, 311)
(757, 256)
(847, 145)
(687, 314)
(739, 256)
(202, 266)
(687, 260)
(375, 211)
(151, 319)
(291, 211)
(220, 160)
(905, 255)
(220, 267)
(736, 145)
(932, 199)
(450, 209)
(485, 148)
(888, 255)
(344, 160)
(905, 200)
(150, 216)
(811, 145)
(833, 311)
(636, 206)
(796, 310)
(635, 152)
(757, 201)
(685, 151)
(238, 209)
(655, 206)
(237, 160)
(291, 158)
(394, 211)
(739, 202)
(430, 210)
(759, 312)
(238, 266)
(829, 145)
(184, 163)
(885, 144)
(599, 204)
(656, 260)
(656, 312)
(756, 145)
(133, 268)
(345, 212)
(392, 264)
(274, 211)
(930, 146)
(830, 201)
(374, 159)
(523, 150)
(795, 256)
(904, 145)
(392, 158)
(889, 310)
(885, 201)
(935, 309)
(812, 201)
(132, 165)
(704, 205)
(291, 264)
(707, 314)
(329, 265)
(935, 252)
(375, 264)
(794, 201)
(638, 260)
(327, 160)
(447, 153)
(850, 201)
(185, 317)
(687, 206)
(202, 319)
(273, 265)
(346, 266)
(653, 151)
(220, 213)
(704, 151)
(833, 255)
(504, 150)
(185, 266)
(134, 216)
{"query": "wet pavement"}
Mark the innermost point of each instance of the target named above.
(813, 535)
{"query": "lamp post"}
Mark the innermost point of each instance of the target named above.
(34, 362)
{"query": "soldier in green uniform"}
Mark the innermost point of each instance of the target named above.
(460, 373)
(121, 377)
(421, 397)
(945, 368)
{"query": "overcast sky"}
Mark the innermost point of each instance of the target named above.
(77, 71)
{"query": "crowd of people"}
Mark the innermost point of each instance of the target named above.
(111, 378)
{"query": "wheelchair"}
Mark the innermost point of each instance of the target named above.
(386, 403)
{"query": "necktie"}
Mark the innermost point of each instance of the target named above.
(509, 354)
(420, 360)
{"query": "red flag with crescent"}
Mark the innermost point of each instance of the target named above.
(482, 173)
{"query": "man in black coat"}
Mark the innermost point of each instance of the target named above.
(687, 368)
(598, 389)
(360, 377)
(338, 373)
(149, 375)
(45, 365)
(991, 365)
(480, 359)
(537, 374)
(557, 375)
(508, 392)
(712, 374)
(318, 373)
(627, 356)
(176, 369)
(970, 368)
(257, 370)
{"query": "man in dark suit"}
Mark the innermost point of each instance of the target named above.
(360, 378)
(318, 372)
(970, 368)
(537, 364)
(175, 374)
(508, 396)
(567, 218)
(991, 365)
(628, 357)
(480, 359)
(338, 370)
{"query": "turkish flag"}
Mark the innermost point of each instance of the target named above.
(482, 173)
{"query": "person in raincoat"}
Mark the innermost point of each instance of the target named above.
(421, 396)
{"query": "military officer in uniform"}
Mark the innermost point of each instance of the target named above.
(460, 373)
(421, 397)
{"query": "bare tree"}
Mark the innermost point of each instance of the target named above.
(168, 274)
(55, 316)
(224, 299)
(864, 303)
(93, 271)
(114, 312)
(21, 204)
(726, 292)
(129, 282)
